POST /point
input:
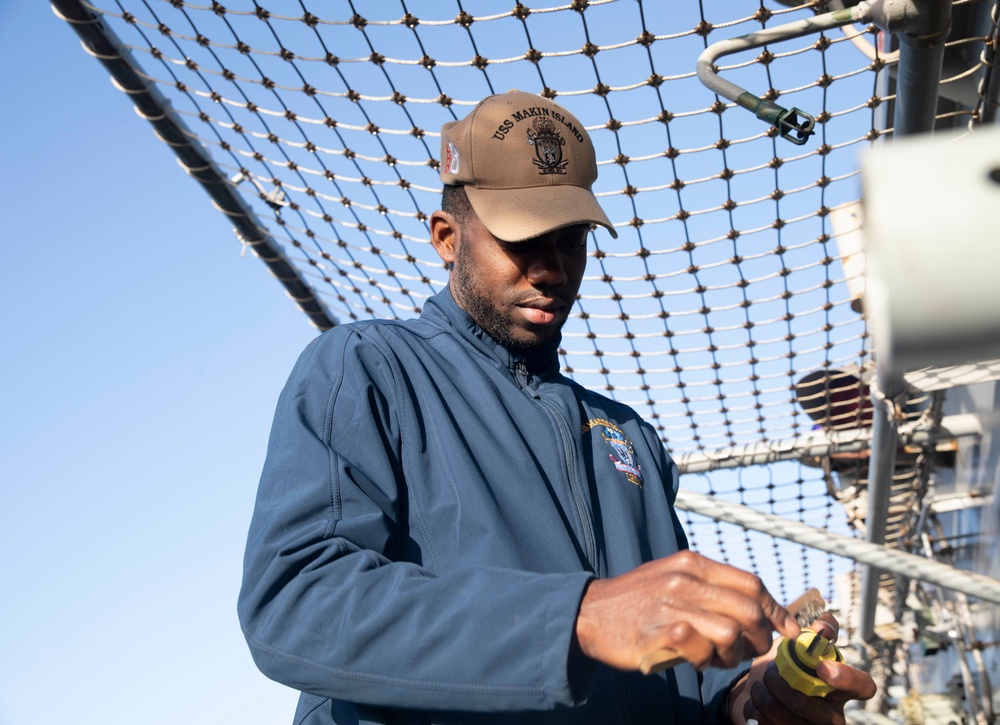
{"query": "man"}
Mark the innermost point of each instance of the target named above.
(449, 531)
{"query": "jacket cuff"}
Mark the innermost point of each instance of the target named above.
(718, 689)
(568, 676)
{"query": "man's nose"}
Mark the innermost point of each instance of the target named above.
(547, 268)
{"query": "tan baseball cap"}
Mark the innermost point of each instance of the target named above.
(527, 165)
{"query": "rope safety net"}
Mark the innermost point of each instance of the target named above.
(726, 286)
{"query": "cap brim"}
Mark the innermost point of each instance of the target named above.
(516, 215)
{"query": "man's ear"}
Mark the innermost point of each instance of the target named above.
(445, 236)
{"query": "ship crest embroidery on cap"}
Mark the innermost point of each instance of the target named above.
(624, 462)
(548, 143)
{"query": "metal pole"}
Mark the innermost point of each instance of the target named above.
(991, 79)
(786, 121)
(760, 38)
(885, 443)
(101, 42)
(822, 443)
(922, 26)
(918, 78)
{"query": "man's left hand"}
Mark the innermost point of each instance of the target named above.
(763, 695)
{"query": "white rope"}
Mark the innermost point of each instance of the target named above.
(898, 562)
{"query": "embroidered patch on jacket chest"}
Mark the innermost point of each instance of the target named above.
(623, 457)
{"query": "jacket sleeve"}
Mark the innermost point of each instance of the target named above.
(715, 688)
(327, 604)
(715, 682)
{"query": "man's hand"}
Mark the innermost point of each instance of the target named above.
(708, 613)
(762, 695)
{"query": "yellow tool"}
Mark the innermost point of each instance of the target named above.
(797, 659)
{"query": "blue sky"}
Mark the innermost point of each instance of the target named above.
(141, 363)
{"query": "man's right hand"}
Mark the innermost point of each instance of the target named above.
(708, 613)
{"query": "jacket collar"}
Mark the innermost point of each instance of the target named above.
(542, 362)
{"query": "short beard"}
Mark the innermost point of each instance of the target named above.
(493, 322)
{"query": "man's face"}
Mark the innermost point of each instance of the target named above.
(520, 293)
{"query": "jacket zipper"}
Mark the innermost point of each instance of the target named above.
(582, 511)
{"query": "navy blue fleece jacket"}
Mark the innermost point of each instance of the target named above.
(431, 509)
